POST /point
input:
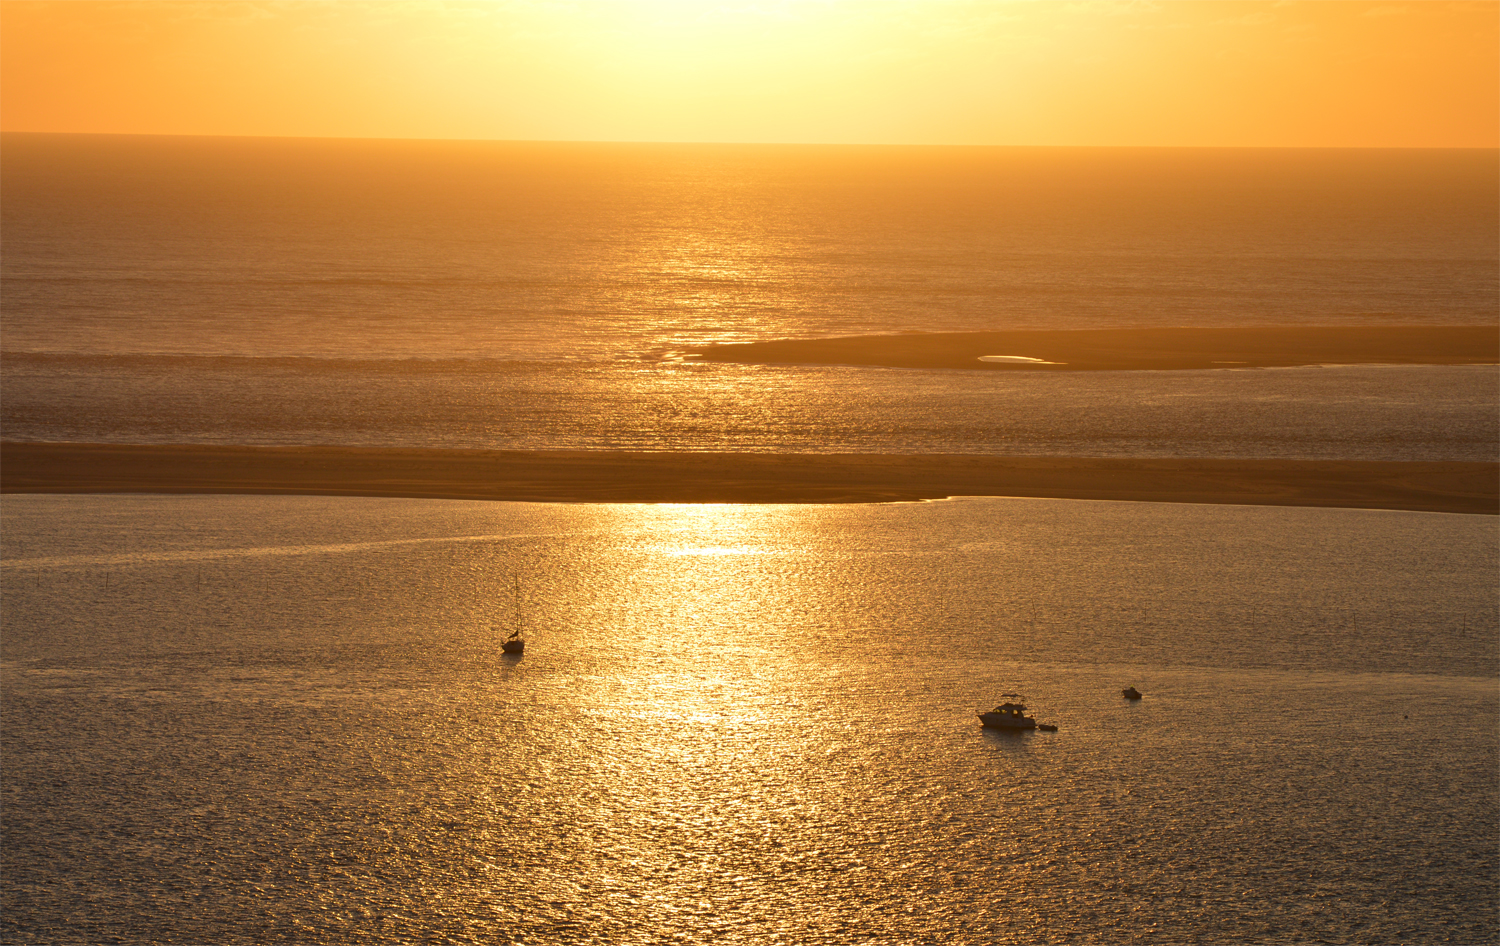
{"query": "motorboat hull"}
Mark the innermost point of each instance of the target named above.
(1006, 723)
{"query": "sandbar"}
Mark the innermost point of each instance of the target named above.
(1133, 349)
(617, 477)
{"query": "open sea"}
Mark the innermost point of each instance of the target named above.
(535, 296)
(285, 719)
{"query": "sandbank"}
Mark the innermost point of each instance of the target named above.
(1136, 349)
(605, 477)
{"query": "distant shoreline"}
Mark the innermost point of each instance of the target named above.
(1139, 349)
(609, 477)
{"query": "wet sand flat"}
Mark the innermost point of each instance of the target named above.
(1147, 349)
(599, 477)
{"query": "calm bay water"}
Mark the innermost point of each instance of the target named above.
(284, 720)
(265, 719)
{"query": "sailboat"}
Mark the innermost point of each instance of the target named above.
(515, 643)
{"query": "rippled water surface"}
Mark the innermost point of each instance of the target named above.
(1344, 413)
(260, 719)
(534, 251)
(540, 296)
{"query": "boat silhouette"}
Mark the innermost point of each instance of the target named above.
(515, 643)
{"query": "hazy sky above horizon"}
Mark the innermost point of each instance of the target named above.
(1259, 73)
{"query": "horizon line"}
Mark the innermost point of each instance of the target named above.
(769, 144)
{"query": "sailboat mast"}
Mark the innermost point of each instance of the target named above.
(515, 596)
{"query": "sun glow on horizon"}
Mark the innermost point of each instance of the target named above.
(1368, 74)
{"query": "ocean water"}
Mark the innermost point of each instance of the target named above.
(1349, 413)
(536, 295)
(254, 719)
(274, 719)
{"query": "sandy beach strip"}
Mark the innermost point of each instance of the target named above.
(605, 477)
(1139, 349)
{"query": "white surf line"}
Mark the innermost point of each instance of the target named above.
(264, 551)
(1018, 360)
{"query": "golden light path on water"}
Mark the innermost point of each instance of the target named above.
(744, 723)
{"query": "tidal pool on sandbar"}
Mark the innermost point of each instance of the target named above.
(276, 719)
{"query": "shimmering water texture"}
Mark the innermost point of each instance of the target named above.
(1346, 413)
(543, 296)
(258, 719)
(538, 252)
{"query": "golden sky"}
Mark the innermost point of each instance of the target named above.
(1193, 72)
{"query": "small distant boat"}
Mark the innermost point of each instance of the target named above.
(1011, 716)
(515, 643)
(1131, 693)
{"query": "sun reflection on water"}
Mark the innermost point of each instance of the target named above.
(751, 723)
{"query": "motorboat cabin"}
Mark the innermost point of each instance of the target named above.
(1008, 716)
